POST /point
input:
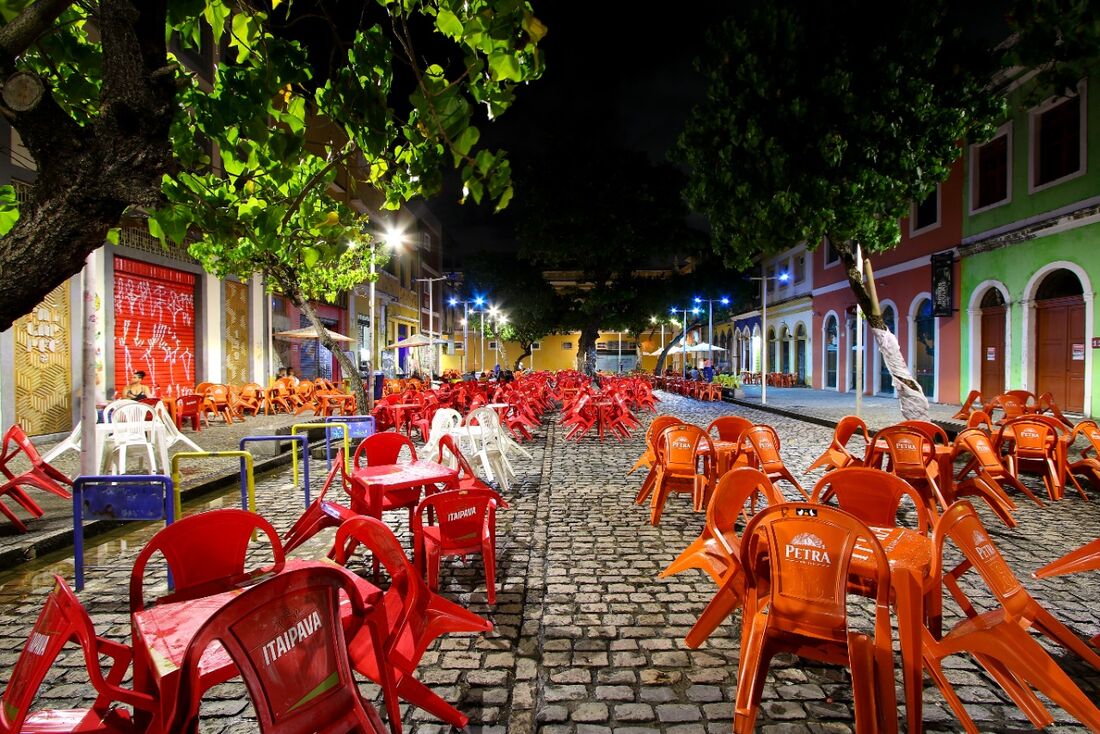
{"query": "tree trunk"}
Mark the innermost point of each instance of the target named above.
(586, 348)
(525, 353)
(664, 353)
(911, 398)
(350, 370)
(89, 176)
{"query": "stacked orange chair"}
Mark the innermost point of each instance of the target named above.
(837, 456)
(685, 463)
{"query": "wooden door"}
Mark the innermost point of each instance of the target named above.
(992, 353)
(1060, 351)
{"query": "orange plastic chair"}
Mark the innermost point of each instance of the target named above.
(871, 495)
(1034, 445)
(912, 458)
(1087, 465)
(206, 554)
(932, 432)
(837, 456)
(984, 476)
(1025, 397)
(251, 398)
(467, 523)
(41, 476)
(963, 412)
(1045, 403)
(999, 638)
(680, 452)
(645, 461)
(729, 427)
(1009, 405)
(415, 614)
(718, 548)
(796, 558)
(63, 620)
(765, 445)
(979, 419)
(304, 686)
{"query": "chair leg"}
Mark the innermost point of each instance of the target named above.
(751, 671)
(489, 561)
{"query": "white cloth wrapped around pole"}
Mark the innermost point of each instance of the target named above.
(913, 403)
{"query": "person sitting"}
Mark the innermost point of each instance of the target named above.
(292, 377)
(136, 390)
(281, 373)
(694, 373)
(708, 372)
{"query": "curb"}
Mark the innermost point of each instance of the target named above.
(59, 540)
(952, 429)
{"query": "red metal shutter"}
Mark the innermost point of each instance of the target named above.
(154, 326)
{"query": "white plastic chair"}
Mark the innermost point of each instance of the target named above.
(444, 421)
(131, 429)
(489, 448)
(170, 434)
(70, 443)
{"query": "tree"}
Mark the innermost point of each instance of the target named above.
(603, 229)
(534, 310)
(823, 121)
(111, 119)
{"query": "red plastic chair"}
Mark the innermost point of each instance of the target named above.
(999, 638)
(467, 479)
(765, 446)
(62, 620)
(287, 640)
(322, 513)
(206, 554)
(686, 462)
(416, 616)
(796, 558)
(871, 495)
(189, 407)
(837, 456)
(41, 475)
(380, 449)
(1087, 465)
(467, 523)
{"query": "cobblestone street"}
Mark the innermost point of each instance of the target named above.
(587, 638)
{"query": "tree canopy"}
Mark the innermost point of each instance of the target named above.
(121, 125)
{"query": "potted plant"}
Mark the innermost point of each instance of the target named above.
(731, 385)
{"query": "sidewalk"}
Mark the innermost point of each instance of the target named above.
(826, 407)
(55, 530)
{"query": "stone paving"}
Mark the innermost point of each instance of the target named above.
(876, 411)
(587, 639)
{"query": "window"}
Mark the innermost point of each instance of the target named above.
(830, 254)
(924, 337)
(492, 346)
(535, 346)
(770, 278)
(799, 268)
(926, 213)
(989, 177)
(567, 345)
(831, 352)
(1056, 138)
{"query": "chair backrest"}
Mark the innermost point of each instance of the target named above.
(872, 495)
(62, 620)
(288, 642)
(202, 387)
(445, 419)
(161, 415)
(1091, 431)
(133, 413)
(1032, 437)
(910, 450)
(961, 524)
(383, 448)
(977, 443)
(189, 404)
(206, 553)
(765, 443)
(465, 517)
(979, 418)
(114, 405)
(729, 427)
(1012, 406)
(847, 427)
(974, 396)
(1026, 397)
(735, 488)
(16, 442)
(679, 447)
(447, 446)
(806, 550)
(657, 425)
(934, 433)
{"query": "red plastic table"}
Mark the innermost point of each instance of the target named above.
(381, 478)
(162, 634)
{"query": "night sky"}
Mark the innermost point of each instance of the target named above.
(616, 72)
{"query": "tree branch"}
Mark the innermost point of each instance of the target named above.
(17, 36)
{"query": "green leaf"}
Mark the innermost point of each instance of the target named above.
(448, 23)
(216, 13)
(503, 66)
(113, 235)
(467, 140)
(535, 28)
(311, 256)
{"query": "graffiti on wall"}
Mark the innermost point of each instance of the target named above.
(43, 371)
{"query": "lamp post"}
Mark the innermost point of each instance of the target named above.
(465, 329)
(683, 344)
(431, 312)
(710, 322)
(764, 279)
(392, 238)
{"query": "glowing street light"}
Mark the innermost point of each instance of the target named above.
(782, 278)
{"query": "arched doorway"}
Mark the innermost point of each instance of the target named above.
(831, 354)
(1060, 339)
(853, 355)
(992, 353)
(924, 346)
(885, 379)
(800, 352)
(773, 349)
(784, 349)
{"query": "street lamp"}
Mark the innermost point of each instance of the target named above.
(431, 311)
(710, 322)
(782, 278)
(683, 344)
(391, 238)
